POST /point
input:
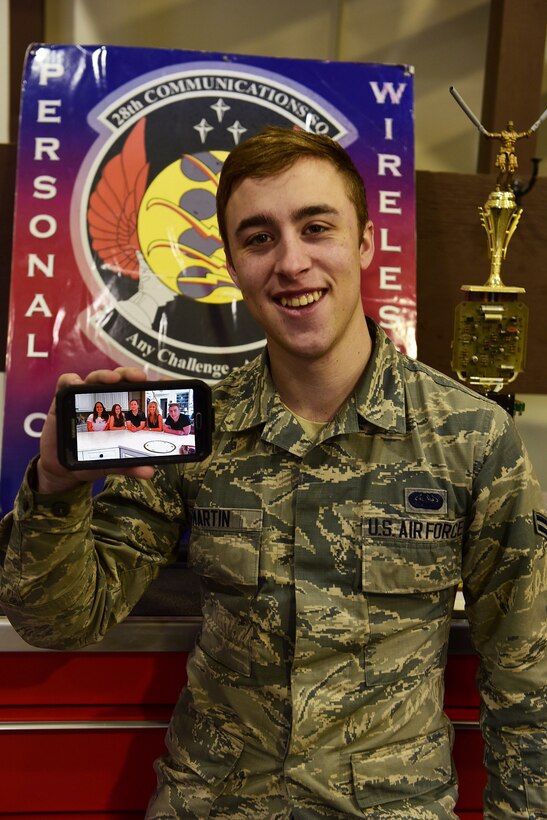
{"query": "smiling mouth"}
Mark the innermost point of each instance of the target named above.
(302, 300)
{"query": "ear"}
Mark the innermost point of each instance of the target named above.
(231, 270)
(366, 248)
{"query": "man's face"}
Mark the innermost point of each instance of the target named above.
(174, 412)
(296, 255)
(134, 406)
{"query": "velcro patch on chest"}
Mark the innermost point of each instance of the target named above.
(418, 499)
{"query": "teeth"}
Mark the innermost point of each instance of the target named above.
(300, 301)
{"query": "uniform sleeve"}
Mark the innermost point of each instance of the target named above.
(505, 583)
(73, 566)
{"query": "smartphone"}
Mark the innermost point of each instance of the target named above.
(133, 423)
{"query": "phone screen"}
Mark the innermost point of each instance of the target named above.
(148, 422)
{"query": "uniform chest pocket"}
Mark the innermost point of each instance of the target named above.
(394, 562)
(410, 587)
(225, 546)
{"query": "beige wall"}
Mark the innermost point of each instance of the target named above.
(445, 40)
(532, 426)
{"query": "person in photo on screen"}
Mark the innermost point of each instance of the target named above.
(154, 419)
(135, 419)
(177, 423)
(117, 418)
(97, 421)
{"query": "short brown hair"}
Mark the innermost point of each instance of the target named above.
(273, 151)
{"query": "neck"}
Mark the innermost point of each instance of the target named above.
(316, 388)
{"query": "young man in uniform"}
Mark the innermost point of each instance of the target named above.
(358, 488)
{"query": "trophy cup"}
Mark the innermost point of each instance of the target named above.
(490, 329)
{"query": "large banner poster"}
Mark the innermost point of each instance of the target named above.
(117, 256)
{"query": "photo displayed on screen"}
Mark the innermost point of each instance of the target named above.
(134, 424)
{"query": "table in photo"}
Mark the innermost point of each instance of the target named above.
(125, 444)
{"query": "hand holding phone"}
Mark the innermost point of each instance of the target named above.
(52, 475)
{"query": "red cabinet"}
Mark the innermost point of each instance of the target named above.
(461, 703)
(79, 731)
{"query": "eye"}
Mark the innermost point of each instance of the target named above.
(258, 239)
(315, 228)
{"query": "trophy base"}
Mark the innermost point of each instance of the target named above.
(489, 344)
(503, 291)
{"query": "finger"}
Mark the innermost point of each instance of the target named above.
(143, 472)
(132, 374)
(64, 380)
(68, 378)
(137, 472)
(113, 376)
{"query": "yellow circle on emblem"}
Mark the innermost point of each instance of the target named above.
(178, 229)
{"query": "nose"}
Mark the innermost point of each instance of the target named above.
(292, 256)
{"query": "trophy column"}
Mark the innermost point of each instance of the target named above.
(491, 326)
(490, 330)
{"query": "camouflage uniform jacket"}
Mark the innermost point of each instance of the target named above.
(328, 573)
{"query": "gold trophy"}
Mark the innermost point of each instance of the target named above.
(490, 330)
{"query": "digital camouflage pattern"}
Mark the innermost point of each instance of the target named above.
(329, 572)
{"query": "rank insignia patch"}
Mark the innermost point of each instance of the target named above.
(540, 524)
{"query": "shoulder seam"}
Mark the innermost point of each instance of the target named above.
(443, 380)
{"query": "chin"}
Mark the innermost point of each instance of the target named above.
(309, 348)
(308, 352)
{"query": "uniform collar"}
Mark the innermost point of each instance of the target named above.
(380, 393)
(378, 400)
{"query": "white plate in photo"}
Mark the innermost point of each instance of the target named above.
(160, 446)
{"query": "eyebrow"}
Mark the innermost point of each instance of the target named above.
(267, 220)
(255, 221)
